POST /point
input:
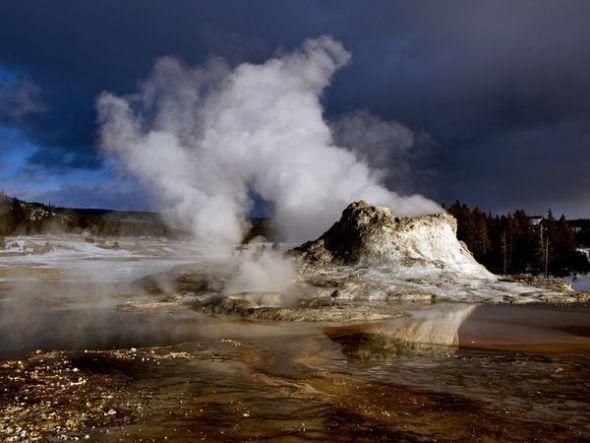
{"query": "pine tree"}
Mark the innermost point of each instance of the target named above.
(17, 218)
(512, 244)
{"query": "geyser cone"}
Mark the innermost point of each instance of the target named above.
(368, 234)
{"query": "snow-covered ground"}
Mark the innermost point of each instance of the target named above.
(76, 258)
(580, 282)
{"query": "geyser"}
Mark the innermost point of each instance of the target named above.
(371, 235)
(205, 139)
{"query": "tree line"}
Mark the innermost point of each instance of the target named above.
(515, 244)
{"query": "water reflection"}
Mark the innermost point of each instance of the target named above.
(428, 331)
(440, 330)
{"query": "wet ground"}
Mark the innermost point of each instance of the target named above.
(74, 365)
(508, 373)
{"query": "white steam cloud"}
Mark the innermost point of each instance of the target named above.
(205, 139)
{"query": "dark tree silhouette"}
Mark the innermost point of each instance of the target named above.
(512, 244)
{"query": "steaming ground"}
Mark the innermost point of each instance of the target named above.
(82, 258)
(144, 339)
(254, 282)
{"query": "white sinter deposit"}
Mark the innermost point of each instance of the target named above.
(371, 254)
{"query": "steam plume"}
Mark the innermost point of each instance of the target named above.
(206, 138)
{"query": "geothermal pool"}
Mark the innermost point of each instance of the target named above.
(74, 363)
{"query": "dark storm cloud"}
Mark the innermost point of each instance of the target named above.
(112, 195)
(501, 87)
(539, 167)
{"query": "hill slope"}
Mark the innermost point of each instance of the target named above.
(20, 217)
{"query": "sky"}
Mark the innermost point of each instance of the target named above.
(496, 93)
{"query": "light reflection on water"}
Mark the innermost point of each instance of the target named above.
(449, 371)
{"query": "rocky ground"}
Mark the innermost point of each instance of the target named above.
(66, 395)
